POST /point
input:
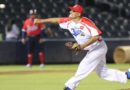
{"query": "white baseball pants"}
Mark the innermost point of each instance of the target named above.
(96, 61)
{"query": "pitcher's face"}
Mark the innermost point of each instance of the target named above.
(74, 15)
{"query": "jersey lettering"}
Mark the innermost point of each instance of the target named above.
(75, 32)
(32, 28)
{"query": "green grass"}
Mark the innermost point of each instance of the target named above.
(53, 77)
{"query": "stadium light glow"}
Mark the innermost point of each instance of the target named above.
(2, 6)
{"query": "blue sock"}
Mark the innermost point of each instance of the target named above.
(128, 74)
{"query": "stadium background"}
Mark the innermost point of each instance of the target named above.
(111, 16)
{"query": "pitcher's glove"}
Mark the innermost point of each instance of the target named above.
(69, 45)
(76, 47)
(73, 46)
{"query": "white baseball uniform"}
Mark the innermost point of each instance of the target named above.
(95, 59)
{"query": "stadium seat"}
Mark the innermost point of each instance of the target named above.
(111, 16)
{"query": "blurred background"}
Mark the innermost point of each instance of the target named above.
(111, 16)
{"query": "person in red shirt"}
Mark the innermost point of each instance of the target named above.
(31, 35)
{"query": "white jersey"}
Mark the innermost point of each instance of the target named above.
(95, 59)
(83, 31)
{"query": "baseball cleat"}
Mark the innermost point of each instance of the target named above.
(67, 88)
(128, 74)
(28, 65)
(42, 65)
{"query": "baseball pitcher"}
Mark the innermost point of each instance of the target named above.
(89, 38)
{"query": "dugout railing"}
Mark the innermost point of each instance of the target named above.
(55, 51)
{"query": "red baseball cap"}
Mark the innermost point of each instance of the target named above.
(77, 8)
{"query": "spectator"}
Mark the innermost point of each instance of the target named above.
(11, 31)
(49, 32)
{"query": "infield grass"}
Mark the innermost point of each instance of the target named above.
(53, 77)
